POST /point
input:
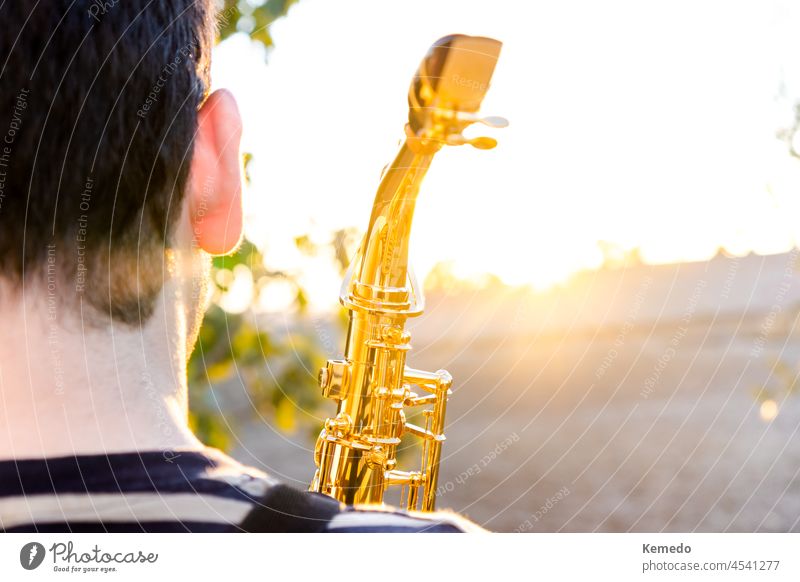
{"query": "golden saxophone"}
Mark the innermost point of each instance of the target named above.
(356, 453)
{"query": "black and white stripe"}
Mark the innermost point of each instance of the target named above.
(162, 491)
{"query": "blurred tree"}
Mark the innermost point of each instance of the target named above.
(789, 135)
(251, 17)
(278, 371)
(784, 380)
(616, 256)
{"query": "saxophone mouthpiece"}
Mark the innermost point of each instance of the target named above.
(451, 83)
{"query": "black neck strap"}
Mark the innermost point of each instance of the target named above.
(284, 509)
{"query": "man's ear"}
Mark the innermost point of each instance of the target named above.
(215, 183)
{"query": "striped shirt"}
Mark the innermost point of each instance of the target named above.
(163, 491)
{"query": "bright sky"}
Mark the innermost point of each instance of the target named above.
(648, 124)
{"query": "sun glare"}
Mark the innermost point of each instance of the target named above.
(668, 148)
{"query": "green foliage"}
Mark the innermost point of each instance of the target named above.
(252, 17)
(783, 382)
(235, 351)
(277, 370)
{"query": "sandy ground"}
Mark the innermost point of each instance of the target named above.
(637, 425)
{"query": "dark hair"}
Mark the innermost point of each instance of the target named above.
(98, 111)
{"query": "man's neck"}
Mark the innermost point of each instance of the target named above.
(70, 386)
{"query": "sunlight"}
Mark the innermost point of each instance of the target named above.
(769, 410)
(644, 148)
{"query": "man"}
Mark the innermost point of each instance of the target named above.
(120, 176)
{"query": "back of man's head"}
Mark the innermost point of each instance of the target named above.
(97, 116)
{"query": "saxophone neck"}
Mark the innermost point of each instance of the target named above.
(444, 99)
(385, 248)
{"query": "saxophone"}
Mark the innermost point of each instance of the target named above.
(356, 452)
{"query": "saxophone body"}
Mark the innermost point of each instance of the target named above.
(356, 452)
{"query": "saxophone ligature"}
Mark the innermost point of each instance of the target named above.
(356, 452)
